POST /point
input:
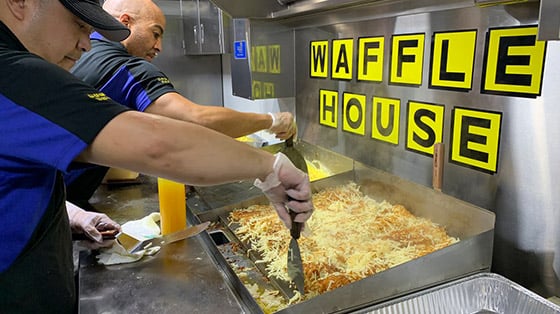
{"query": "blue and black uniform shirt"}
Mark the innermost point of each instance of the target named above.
(43, 110)
(131, 81)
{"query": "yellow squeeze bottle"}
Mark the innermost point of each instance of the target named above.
(172, 206)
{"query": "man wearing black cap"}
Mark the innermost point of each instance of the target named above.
(36, 268)
(50, 119)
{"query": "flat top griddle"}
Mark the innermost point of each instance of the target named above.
(472, 224)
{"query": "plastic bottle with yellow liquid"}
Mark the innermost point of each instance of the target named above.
(172, 206)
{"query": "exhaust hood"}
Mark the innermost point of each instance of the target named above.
(249, 8)
(281, 8)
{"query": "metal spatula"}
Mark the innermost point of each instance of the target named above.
(294, 155)
(133, 245)
(295, 266)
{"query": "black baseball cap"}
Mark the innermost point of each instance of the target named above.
(91, 12)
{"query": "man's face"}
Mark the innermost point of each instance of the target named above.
(57, 35)
(146, 35)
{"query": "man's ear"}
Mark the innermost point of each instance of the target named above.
(125, 19)
(17, 7)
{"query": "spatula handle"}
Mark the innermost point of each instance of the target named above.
(437, 170)
(290, 141)
(295, 231)
(106, 234)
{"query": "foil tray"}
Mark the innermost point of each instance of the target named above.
(480, 293)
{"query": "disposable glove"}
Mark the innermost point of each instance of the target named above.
(287, 187)
(283, 125)
(90, 223)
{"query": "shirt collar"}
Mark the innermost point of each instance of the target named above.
(9, 40)
(99, 37)
(96, 35)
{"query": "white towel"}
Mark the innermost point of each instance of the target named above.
(141, 229)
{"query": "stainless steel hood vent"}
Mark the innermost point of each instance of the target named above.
(249, 8)
(281, 8)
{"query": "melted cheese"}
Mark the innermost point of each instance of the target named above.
(350, 236)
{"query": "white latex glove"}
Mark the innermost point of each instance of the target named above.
(90, 224)
(287, 186)
(283, 125)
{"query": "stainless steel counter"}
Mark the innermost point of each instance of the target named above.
(181, 278)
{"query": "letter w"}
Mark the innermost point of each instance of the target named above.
(319, 56)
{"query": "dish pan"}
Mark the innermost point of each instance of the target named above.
(480, 293)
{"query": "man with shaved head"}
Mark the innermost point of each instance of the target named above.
(53, 121)
(125, 73)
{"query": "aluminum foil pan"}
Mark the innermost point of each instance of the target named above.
(480, 293)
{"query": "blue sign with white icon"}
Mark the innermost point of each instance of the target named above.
(240, 49)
